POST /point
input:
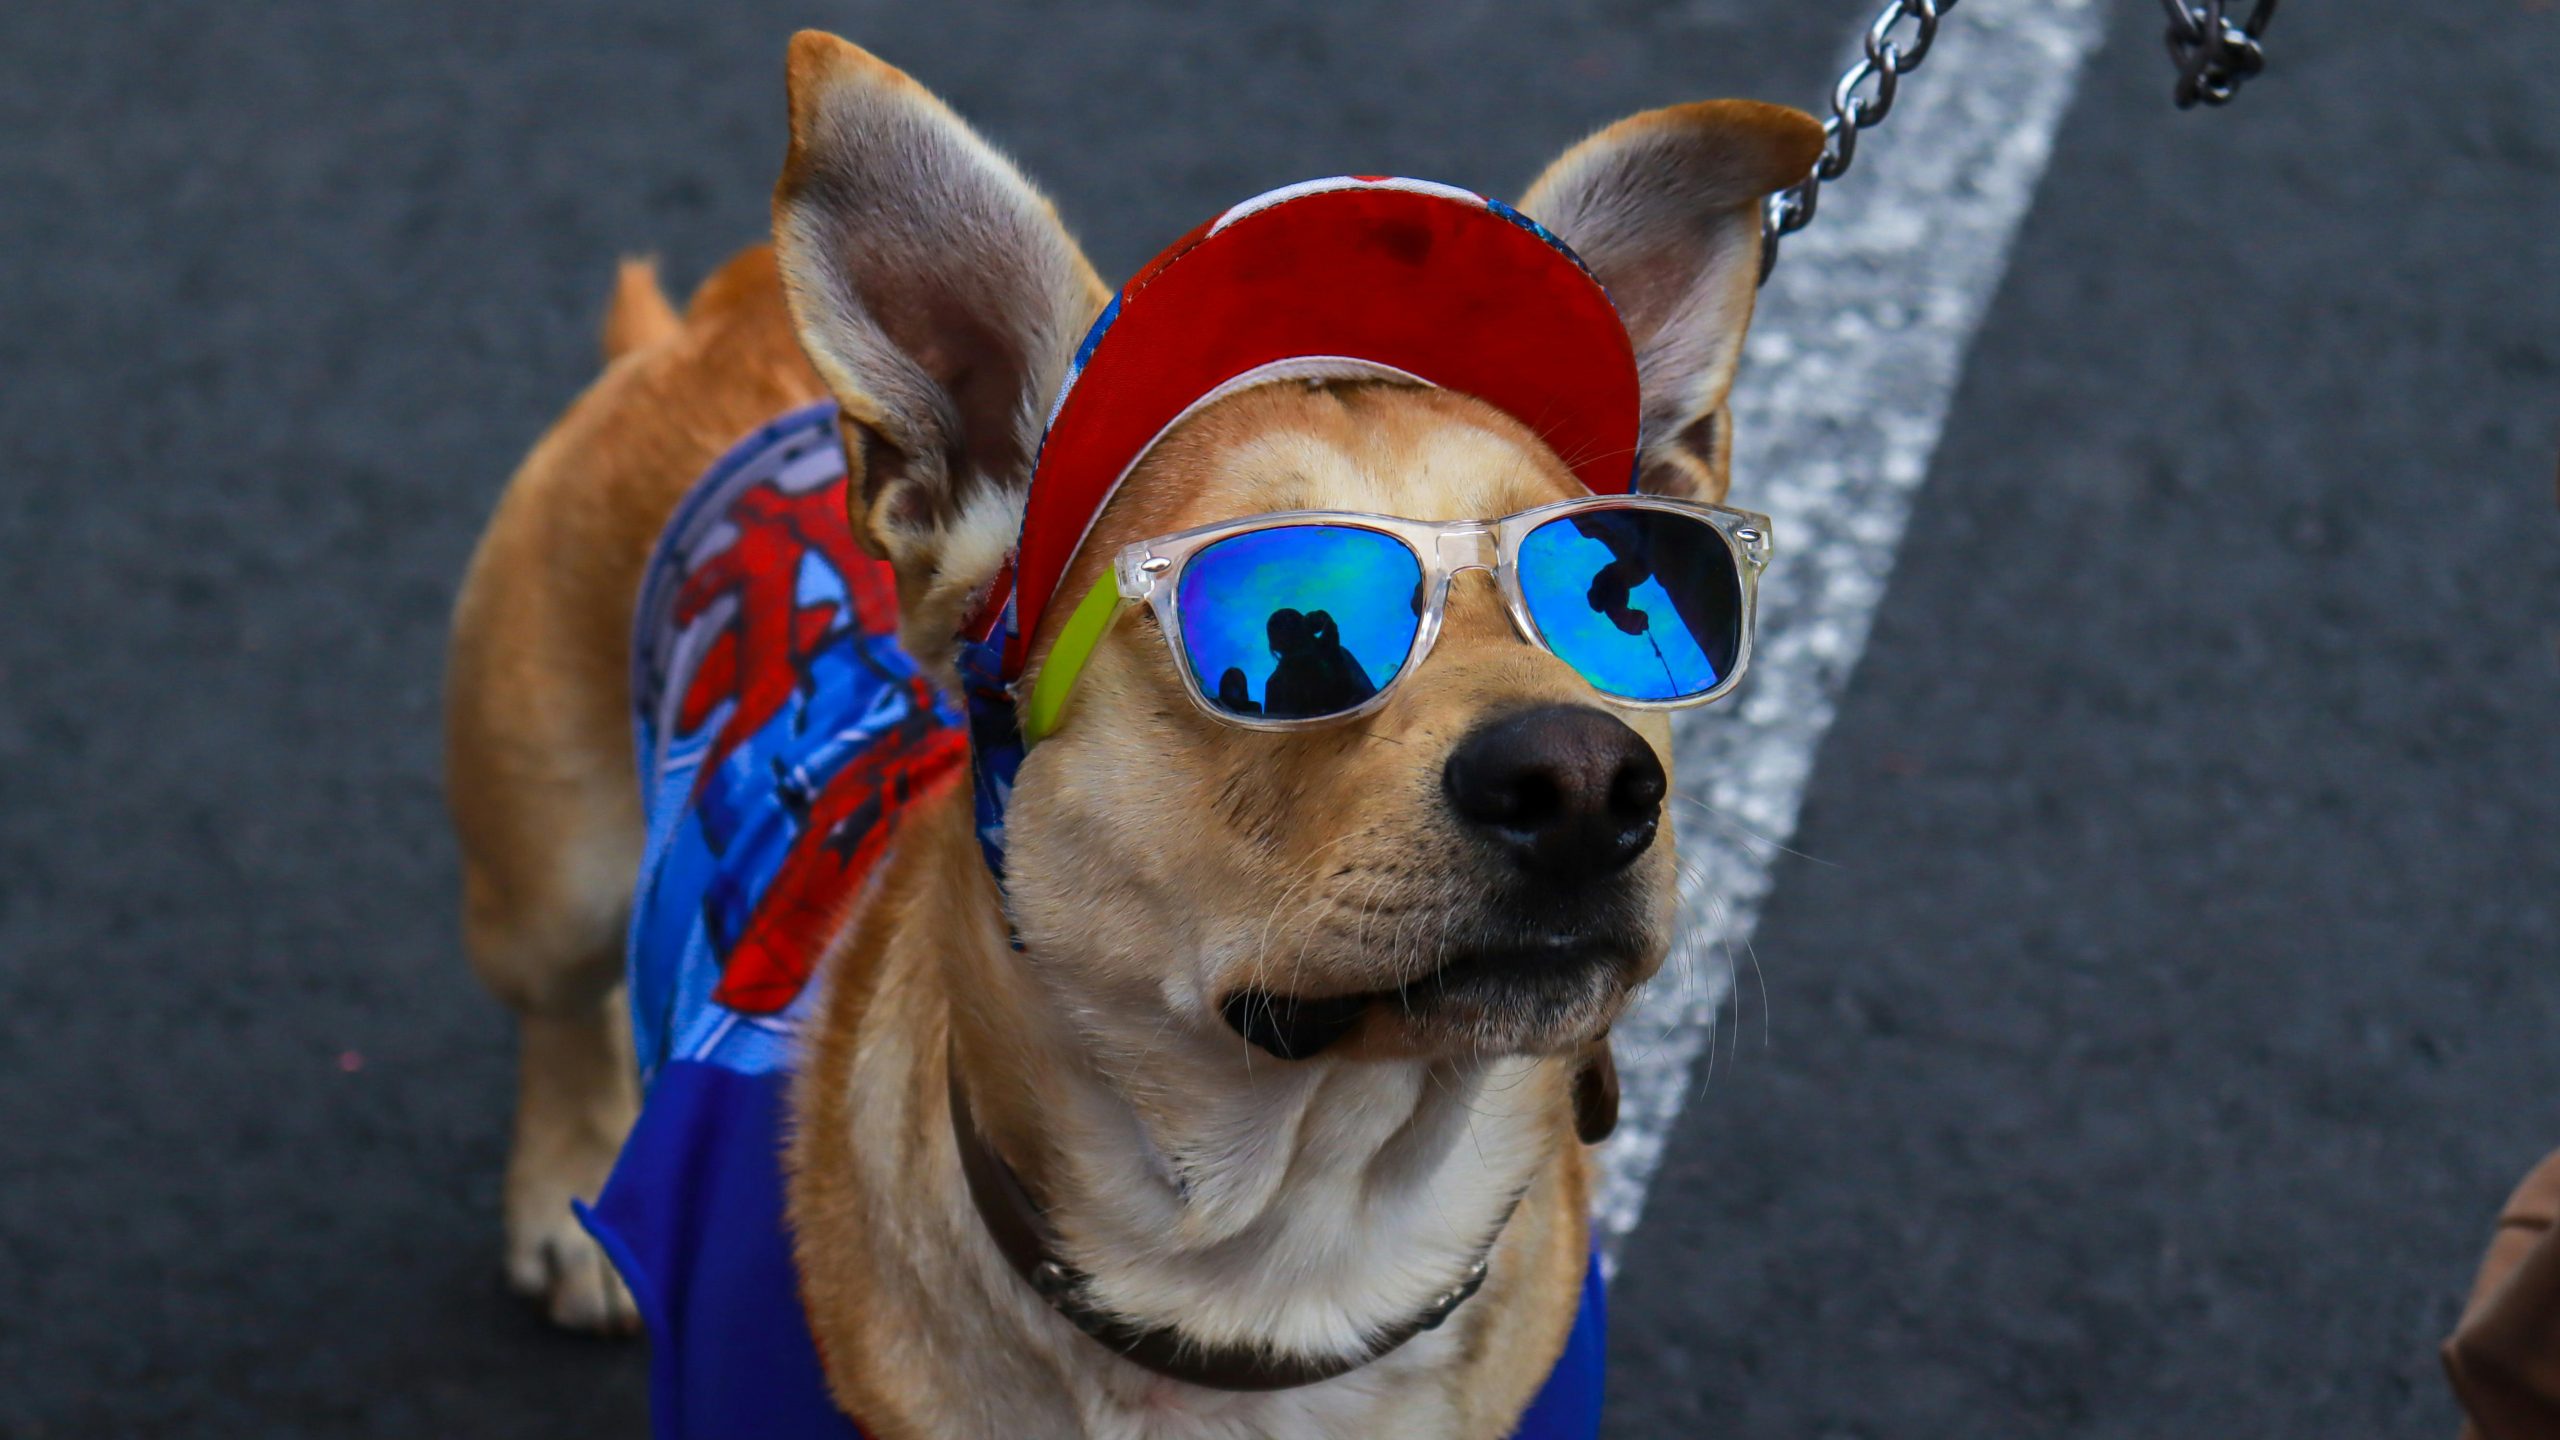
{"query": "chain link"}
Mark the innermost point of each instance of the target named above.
(1896, 44)
(2214, 56)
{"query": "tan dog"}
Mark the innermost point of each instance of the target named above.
(1161, 864)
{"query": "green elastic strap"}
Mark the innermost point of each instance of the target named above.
(1057, 678)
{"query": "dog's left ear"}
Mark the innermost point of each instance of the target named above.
(1665, 208)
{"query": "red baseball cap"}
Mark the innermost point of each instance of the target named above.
(1348, 275)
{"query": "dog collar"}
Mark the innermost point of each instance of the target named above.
(1022, 1234)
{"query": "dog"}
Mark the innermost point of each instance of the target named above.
(1218, 1072)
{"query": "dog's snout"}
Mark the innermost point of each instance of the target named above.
(1568, 791)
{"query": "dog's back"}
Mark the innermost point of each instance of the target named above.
(539, 759)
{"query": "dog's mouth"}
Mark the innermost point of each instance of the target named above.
(1536, 997)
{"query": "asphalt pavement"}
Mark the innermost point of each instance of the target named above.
(2163, 1001)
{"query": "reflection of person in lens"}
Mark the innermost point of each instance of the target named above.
(1693, 577)
(1235, 693)
(1613, 585)
(1316, 675)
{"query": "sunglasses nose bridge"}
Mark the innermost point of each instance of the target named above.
(1472, 545)
(1467, 547)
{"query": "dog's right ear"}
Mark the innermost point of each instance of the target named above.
(939, 297)
(1665, 208)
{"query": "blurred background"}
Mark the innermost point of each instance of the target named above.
(2165, 994)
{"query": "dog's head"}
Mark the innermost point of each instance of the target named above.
(1479, 867)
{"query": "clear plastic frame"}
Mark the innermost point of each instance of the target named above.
(1150, 572)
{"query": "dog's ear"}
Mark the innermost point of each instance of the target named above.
(1665, 208)
(937, 294)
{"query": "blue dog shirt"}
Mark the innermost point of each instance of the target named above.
(781, 734)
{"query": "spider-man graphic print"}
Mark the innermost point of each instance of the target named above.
(781, 732)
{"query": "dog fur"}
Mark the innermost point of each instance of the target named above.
(1159, 861)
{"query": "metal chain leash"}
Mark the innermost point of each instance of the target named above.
(2213, 55)
(1860, 101)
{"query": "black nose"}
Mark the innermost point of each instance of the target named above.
(1568, 791)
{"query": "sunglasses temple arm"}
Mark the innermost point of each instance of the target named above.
(1056, 679)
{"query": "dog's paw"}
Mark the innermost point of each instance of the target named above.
(551, 1258)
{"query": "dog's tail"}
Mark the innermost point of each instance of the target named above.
(638, 316)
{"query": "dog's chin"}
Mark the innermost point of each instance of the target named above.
(1537, 997)
(1512, 999)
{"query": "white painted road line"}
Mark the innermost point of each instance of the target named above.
(1861, 338)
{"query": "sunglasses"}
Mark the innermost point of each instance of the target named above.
(1305, 618)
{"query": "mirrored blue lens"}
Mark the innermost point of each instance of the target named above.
(1647, 604)
(1299, 621)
